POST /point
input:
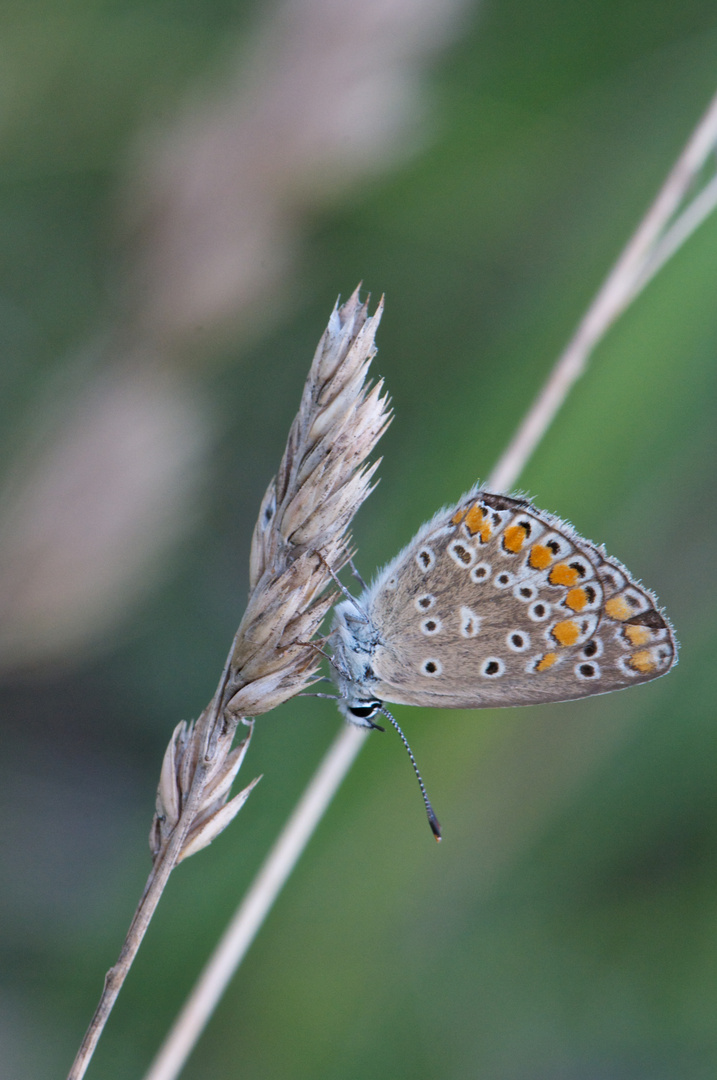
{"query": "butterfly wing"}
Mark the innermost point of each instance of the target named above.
(497, 603)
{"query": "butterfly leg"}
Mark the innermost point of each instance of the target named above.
(356, 574)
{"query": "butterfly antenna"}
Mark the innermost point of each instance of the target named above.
(432, 819)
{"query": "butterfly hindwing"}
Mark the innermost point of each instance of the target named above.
(496, 603)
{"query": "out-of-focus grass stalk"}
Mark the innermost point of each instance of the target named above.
(110, 465)
(253, 909)
(658, 236)
(663, 229)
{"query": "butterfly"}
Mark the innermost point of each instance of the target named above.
(496, 603)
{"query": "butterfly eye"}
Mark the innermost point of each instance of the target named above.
(365, 710)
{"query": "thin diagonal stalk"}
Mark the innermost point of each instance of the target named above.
(636, 266)
(156, 882)
(252, 911)
(652, 244)
(679, 231)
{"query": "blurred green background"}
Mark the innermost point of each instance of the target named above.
(566, 928)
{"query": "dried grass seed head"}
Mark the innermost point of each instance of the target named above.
(301, 536)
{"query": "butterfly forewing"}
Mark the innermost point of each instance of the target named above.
(497, 603)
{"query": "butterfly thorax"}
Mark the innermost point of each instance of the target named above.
(355, 640)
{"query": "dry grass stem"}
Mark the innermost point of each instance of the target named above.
(300, 541)
(249, 916)
(654, 241)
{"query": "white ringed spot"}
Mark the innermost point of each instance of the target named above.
(470, 622)
(425, 559)
(462, 554)
(588, 669)
(539, 611)
(517, 641)
(504, 580)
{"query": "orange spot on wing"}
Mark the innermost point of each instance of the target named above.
(546, 661)
(618, 608)
(474, 518)
(514, 537)
(562, 574)
(458, 517)
(643, 661)
(638, 635)
(576, 599)
(566, 632)
(540, 557)
(476, 521)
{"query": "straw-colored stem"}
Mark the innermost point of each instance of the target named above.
(628, 277)
(679, 231)
(638, 263)
(257, 903)
(115, 977)
(156, 882)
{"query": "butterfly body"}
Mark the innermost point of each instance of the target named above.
(496, 603)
